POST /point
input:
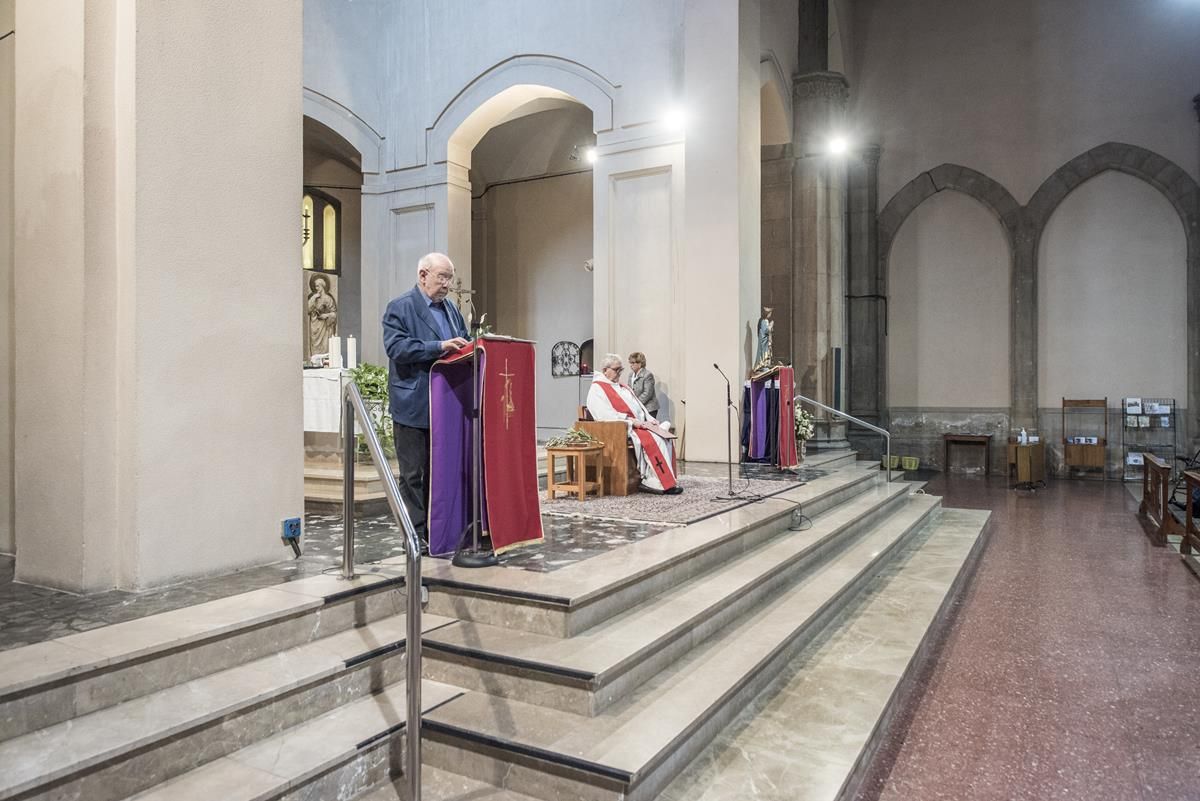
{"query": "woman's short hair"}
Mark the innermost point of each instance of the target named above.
(638, 356)
(609, 360)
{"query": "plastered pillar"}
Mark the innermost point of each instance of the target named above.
(158, 410)
(720, 286)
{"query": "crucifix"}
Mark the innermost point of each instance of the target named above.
(507, 396)
(458, 292)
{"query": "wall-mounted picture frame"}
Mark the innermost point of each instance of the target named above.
(564, 359)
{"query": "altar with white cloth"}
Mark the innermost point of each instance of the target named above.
(323, 399)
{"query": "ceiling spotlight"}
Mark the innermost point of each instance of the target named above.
(675, 118)
(838, 146)
(590, 155)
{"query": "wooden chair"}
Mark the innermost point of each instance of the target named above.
(618, 465)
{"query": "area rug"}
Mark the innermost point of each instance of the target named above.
(695, 503)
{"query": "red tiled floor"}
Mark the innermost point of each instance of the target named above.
(1071, 669)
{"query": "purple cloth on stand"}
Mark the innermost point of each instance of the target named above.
(450, 432)
(758, 418)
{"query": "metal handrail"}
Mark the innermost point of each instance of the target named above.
(886, 434)
(353, 406)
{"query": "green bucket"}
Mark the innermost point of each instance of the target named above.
(910, 462)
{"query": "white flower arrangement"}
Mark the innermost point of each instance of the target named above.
(804, 424)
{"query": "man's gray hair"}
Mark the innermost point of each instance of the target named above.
(610, 360)
(428, 261)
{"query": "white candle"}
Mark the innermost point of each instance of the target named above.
(335, 352)
(351, 352)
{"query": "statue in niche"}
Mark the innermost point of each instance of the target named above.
(766, 329)
(322, 313)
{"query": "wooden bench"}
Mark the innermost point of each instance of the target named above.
(1156, 494)
(1191, 533)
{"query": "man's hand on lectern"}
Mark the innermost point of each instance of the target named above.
(454, 343)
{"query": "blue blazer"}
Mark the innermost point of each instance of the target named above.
(413, 343)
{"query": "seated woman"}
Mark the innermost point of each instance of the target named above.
(641, 381)
(608, 399)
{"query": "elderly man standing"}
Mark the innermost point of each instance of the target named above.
(419, 327)
(608, 399)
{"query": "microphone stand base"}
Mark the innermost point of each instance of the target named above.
(474, 559)
(729, 497)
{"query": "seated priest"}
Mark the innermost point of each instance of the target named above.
(608, 399)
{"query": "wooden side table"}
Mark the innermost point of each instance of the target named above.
(577, 460)
(1029, 461)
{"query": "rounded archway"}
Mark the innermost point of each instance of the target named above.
(530, 228)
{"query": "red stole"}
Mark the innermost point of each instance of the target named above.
(649, 444)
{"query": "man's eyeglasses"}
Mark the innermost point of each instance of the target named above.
(441, 279)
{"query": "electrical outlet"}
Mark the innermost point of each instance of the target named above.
(291, 528)
(291, 534)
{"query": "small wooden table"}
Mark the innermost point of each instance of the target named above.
(577, 465)
(968, 439)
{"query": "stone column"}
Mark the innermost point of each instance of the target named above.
(819, 236)
(158, 412)
(866, 303)
(1023, 365)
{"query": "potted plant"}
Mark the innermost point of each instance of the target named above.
(804, 430)
(372, 383)
(574, 438)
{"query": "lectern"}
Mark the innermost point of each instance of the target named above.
(489, 385)
(772, 434)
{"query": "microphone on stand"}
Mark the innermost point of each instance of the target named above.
(728, 435)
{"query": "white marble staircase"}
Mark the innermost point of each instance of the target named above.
(602, 680)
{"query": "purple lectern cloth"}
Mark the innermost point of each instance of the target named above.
(758, 418)
(450, 454)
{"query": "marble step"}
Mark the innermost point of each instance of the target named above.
(56, 680)
(443, 785)
(109, 753)
(822, 719)
(587, 672)
(830, 460)
(635, 747)
(340, 754)
(565, 602)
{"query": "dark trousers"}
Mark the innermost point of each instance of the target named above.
(412, 454)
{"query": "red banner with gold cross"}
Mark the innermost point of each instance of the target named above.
(511, 513)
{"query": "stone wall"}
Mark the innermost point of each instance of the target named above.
(918, 432)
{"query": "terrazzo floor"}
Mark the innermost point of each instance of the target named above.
(1069, 671)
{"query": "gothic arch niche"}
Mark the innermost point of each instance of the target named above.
(1112, 318)
(1180, 190)
(988, 193)
(949, 276)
